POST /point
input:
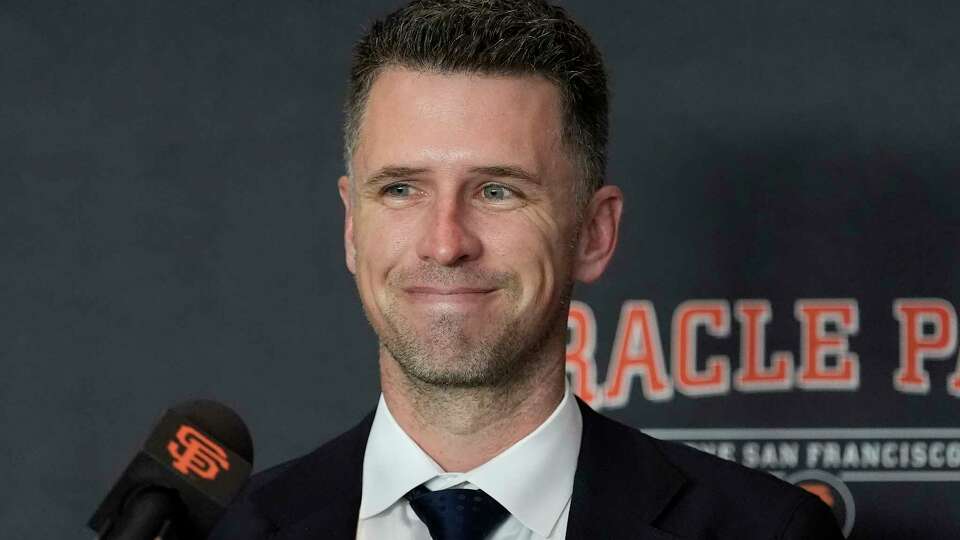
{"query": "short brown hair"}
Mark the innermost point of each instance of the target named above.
(497, 37)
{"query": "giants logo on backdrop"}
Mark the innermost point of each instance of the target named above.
(194, 453)
(928, 331)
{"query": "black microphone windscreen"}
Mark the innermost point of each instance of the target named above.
(200, 453)
(221, 422)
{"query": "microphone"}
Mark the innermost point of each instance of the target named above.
(196, 458)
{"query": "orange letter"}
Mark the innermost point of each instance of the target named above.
(715, 316)
(753, 376)
(636, 350)
(816, 343)
(580, 361)
(917, 345)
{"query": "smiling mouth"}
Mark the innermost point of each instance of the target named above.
(441, 291)
(443, 295)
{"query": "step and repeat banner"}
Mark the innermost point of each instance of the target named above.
(896, 471)
(785, 293)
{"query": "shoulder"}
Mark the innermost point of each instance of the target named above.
(742, 499)
(710, 497)
(243, 519)
(282, 493)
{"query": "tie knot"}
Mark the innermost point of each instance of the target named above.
(457, 514)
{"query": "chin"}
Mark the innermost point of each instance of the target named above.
(452, 366)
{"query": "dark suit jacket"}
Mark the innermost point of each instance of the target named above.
(627, 486)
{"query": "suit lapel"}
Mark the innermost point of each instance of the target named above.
(319, 495)
(622, 484)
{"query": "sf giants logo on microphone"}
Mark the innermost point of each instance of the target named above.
(194, 453)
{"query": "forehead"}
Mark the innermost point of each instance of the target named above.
(439, 120)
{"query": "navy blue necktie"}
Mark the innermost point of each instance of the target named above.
(457, 514)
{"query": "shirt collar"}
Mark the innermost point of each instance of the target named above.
(392, 464)
(533, 479)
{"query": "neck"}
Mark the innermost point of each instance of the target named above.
(463, 428)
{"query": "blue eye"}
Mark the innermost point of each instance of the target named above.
(496, 192)
(397, 190)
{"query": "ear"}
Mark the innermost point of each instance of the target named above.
(343, 185)
(598, 233)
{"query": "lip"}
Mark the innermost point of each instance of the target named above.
(439, 291)
(461, 297)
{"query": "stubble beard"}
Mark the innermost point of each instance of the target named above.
(446, 355)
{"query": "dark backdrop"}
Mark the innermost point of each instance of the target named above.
(170, 227)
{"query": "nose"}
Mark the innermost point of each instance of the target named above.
(447, 238)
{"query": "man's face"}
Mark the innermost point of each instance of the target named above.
(461, 226)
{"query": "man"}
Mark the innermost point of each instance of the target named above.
(475, 145)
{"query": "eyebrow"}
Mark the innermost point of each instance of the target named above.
(392, 172)
(389, 173)
(506, 171)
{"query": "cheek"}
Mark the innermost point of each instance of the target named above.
(535, 249)
(381, 240)
(380, 246)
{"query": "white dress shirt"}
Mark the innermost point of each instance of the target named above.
(533, 479)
